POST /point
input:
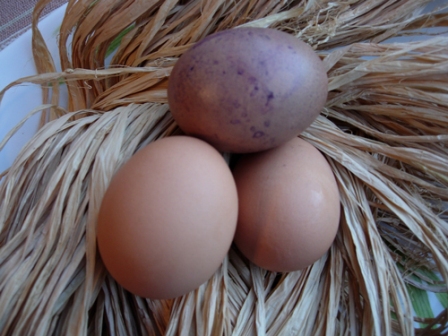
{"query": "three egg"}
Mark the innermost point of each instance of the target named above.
(173, 210)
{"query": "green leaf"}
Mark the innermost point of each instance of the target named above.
(116, 42)
(394, 316)
(420, 303)
(442, 297)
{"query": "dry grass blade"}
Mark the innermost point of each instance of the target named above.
(68, 249)
(44, 62)
(383, 131)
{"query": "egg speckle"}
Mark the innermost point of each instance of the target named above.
(289, 206)
(168, 218)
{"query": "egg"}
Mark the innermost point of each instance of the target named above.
(168, 218)
(289, 207)
(247, 89)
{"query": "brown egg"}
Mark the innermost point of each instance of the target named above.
(247, 89)
(168, 218)
(289, 206)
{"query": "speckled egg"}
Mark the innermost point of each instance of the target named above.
(247, 89)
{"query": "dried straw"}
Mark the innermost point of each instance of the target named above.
(383, 130)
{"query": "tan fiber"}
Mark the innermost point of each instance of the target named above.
(384, 131)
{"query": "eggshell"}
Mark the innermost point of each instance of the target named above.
(247, 89)
(289, 206)
(168, 218)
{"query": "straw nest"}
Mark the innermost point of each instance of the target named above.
(384, 131)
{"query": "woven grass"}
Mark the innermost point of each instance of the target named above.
(384, 131)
